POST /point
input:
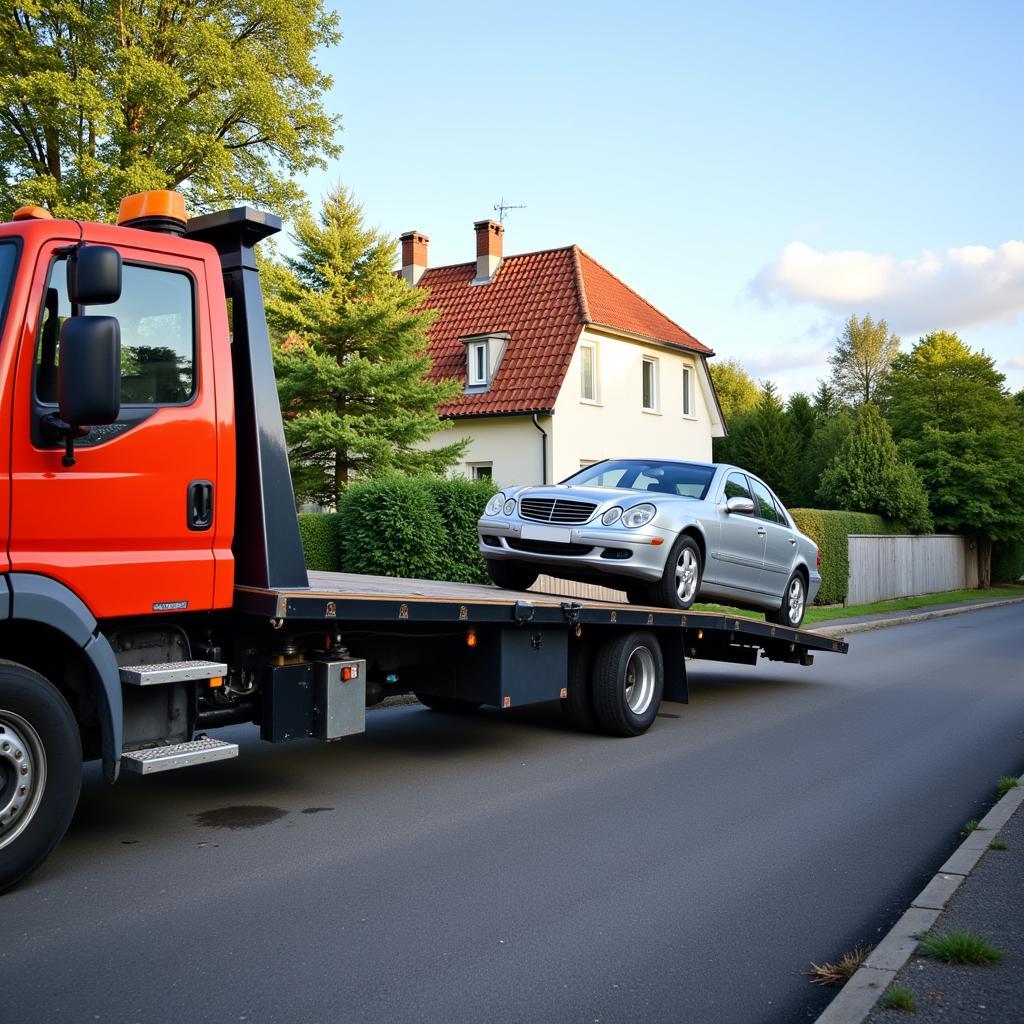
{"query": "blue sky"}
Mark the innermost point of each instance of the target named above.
(756, 171)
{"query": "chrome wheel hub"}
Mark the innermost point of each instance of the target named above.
(795, 600)
(22, 775)
(639, 680)
(686, 575)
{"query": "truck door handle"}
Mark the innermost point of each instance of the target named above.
(200, 505)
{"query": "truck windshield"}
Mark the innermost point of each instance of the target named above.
(8, 261)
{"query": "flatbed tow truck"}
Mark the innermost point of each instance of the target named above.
(152, 580)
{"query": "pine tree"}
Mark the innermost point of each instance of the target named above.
(351, 368)
(765, 443)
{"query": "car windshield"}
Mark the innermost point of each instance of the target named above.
(8, 260)
(683, 479)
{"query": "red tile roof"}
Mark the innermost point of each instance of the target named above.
(543, 300)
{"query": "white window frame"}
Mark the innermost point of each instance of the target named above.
(595, 397)
(688, 410)
(473, 378)
(653, 363)
(475, 467)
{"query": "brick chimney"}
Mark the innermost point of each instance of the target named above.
(414, 256)
(488, 249)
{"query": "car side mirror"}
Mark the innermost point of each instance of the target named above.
(94, 275)
(741, 506)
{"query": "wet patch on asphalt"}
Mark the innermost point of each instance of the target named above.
(315, 810)
(241, 816)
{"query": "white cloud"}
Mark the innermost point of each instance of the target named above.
(767, 362)
(964, 287)
(1016, 363)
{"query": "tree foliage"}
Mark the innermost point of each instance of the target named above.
(765, 442)
(862, 357)
(868, 475)
(102, 98)
(737, 391)
(351, 366)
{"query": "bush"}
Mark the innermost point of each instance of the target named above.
(830, 530)
(1007, 561)
(460, 503)
(319, 541)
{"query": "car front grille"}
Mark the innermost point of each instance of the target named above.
(547, 547)
(556, 510)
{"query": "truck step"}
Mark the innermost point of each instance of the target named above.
(178, 755)
(171, 672)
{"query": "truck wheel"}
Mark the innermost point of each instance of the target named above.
(510, 576)
(680, 582)
(627, 683)
(578, 705)
(40, 770)
(794, 603)
(450, 705)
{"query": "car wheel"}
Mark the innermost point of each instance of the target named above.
(40, 770)
(511, 576)
(794, 603)
(680, 582)
(450, 705)
(627, 683)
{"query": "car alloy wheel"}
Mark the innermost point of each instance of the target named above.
(687, 575)
(795, 601)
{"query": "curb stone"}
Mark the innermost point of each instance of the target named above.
(841, 629)
(859, 996)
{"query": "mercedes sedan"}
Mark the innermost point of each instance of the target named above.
(665, 532)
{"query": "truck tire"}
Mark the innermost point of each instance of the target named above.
(680, 582)
(450, 705)
(40, 770)
(794, 603)
(578, 705)
(510, 575)
(627, 683)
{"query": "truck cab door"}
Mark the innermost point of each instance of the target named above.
(128, 527)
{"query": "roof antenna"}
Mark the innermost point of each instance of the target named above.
(501, 206)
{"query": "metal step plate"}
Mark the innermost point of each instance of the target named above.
(171, 672)
(177, 755)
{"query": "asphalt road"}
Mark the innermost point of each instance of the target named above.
(499, 869)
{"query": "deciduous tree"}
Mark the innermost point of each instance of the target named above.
(862, 357)
(737, 391)
(351, 368)
(102, 98)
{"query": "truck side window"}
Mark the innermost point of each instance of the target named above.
(157, 316)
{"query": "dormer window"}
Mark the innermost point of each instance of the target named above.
(483, 357)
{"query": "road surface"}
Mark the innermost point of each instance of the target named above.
(496, 868)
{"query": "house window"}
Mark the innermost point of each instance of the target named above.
(650, 379)
(588, 372)
(481, 470)
(478, 363)
(687, 392)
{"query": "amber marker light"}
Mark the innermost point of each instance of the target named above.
(159, 210)
(471, 638)
(657, 540)
(32, 213)
(216, 681)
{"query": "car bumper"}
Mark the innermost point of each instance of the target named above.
(587, 550)
(813, 585)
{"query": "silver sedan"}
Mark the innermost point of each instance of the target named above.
(666, 532)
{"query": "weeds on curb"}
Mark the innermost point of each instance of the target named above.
(960, 947)
(997, 844)
(972, 826)
(840, 972)
(897, 998)
(1005, 784)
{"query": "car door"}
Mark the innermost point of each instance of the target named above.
(780, 541)
(739, 559)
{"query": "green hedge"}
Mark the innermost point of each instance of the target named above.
(1007, 561)
(420, 527)
(830, 530)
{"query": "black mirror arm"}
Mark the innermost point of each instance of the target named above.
(55, 429)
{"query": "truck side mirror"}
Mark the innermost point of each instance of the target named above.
(742, 506)
(89, 371)
(94, 275)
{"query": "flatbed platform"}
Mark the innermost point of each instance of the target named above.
(354, 598)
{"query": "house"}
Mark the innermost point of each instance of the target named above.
(562, 363)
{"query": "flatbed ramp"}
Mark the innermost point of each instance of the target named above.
(360, 599)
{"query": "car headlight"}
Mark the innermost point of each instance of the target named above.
(612, 516)
(510, 506)
(494, 505)
(638, 515)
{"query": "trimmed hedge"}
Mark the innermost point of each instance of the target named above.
(830, 530)
(421, 527)
(1007, 561)
(319, 541)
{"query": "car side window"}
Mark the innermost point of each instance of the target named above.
(736, 486)
(781, 512)
(157, 316)
(763, 503)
